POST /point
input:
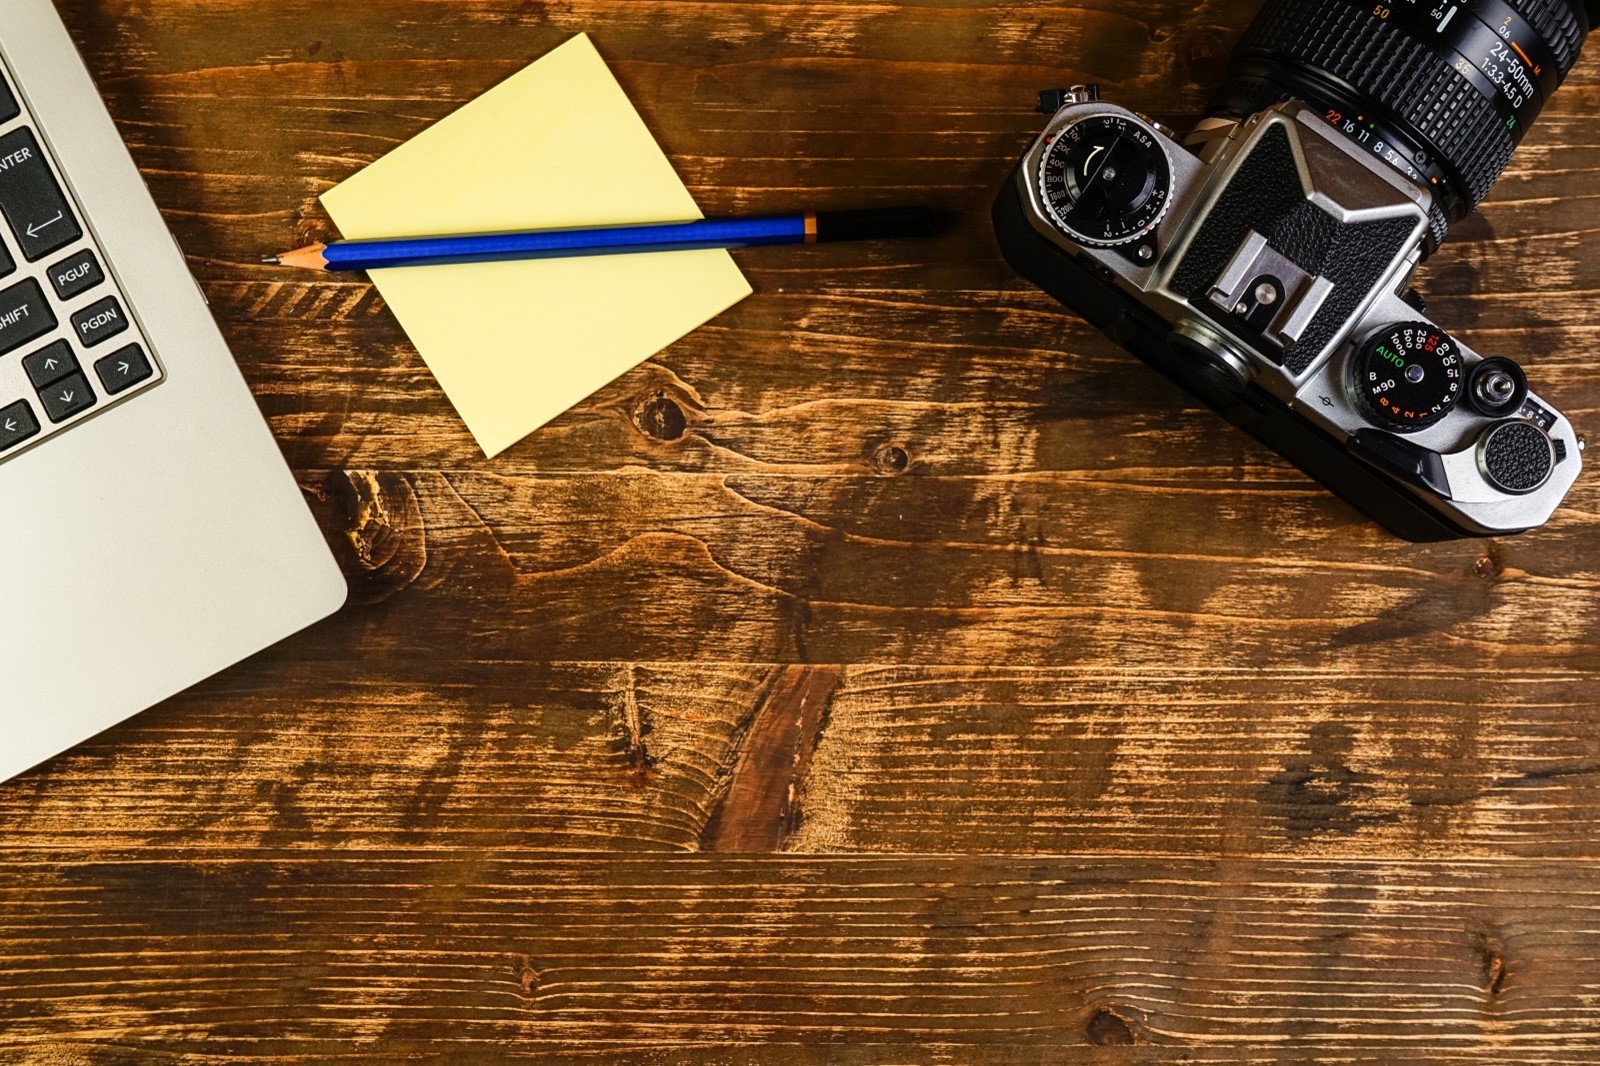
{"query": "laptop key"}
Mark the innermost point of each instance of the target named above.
(49, 365)
(76, 274)
(61, 309)
(17, 424)
(100, 321)
(67, 397)
(30, 198)
(24, 315)
(123, 369)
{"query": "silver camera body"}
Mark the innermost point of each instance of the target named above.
(1265, 267)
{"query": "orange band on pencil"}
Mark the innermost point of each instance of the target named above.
(811, 227)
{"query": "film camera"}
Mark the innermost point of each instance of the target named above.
(1263, 262)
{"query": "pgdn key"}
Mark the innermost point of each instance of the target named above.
(99, 322)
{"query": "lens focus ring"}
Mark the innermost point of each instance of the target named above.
(1557, 24)
(1387, 67)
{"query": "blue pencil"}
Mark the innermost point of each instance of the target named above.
(809, 228)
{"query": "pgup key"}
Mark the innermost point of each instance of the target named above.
(31, 199)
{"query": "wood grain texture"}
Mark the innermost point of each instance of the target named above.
(890, 671)
(375, 956)
(630, 757)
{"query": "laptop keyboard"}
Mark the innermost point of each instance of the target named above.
(68, 348)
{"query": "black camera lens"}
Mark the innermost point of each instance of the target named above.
(1441, 90)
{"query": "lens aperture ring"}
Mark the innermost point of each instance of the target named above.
(1408, 83)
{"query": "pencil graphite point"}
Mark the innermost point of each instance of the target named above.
(308, 258)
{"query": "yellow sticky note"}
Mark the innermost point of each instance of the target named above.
(556, 145)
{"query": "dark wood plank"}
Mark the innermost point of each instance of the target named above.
(947, 570)
(372, 956)
(630, 757)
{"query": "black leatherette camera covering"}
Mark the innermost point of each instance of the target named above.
(1266, 196)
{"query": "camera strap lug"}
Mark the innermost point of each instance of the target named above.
(1053, 100)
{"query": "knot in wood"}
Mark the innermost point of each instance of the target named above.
(891, 460)
(661, 418)
(1489, 564)
(1207, 58)
(313, 229)
(1107, 1028)
(383, 531)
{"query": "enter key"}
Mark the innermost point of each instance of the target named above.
(31, 198)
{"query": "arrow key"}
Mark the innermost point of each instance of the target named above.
(49, 365)
(17, 424)
(123, 369)
(67, 397)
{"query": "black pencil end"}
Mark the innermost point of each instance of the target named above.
(880, 223)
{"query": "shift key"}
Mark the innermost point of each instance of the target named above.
(24, 316)
(31, 199)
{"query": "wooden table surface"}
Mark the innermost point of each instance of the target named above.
(891, 671)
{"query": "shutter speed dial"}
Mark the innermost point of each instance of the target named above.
(1407, 376)
(1106, 180)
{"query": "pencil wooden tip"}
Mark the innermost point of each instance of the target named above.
(308, 258)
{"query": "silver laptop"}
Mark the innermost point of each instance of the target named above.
(150, 532)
